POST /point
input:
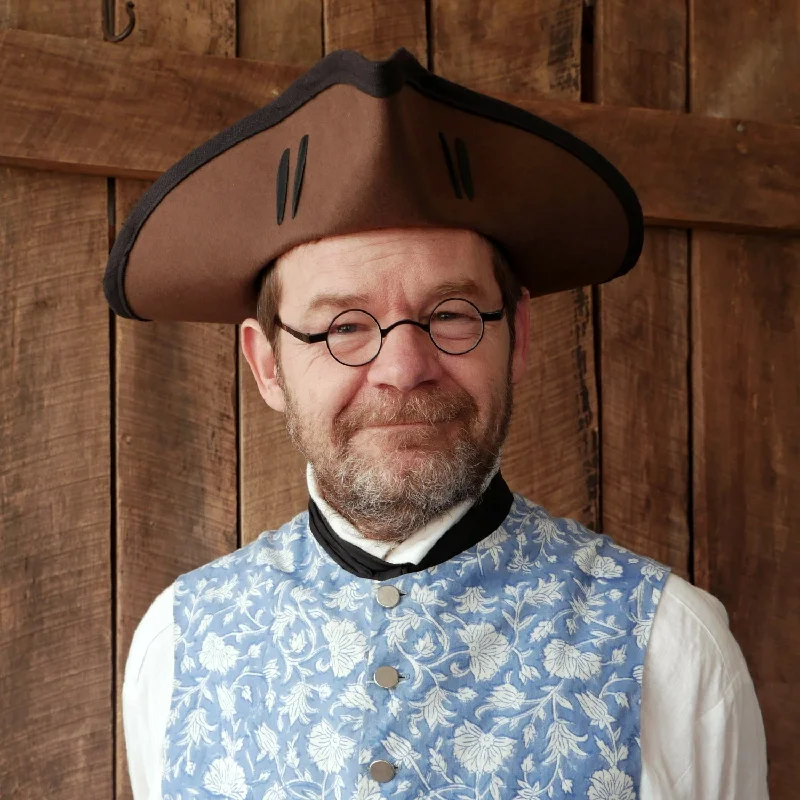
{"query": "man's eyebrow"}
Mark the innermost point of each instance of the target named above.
(465, 286)
(333, 300)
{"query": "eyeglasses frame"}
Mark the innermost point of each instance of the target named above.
(313, 338)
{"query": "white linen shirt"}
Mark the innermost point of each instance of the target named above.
(702, 734)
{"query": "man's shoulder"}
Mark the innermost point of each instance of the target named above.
(271, 549)
(699, 704)
(155, 631)
(152, 635)
(691, 640)
(694, 663)
(705, 611)
(686, 615)
(692, 636)
(596, 554)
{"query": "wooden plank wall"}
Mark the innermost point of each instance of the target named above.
(746, 375)
(55, 574)
(56, 695)
(639, 55)
(175, 400)
(661, 409)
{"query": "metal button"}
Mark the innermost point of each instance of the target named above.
(381, 771)
(388, 596)
(387, 677)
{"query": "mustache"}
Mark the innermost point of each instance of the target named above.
(426, 408)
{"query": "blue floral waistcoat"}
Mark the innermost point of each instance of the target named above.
(520, 663)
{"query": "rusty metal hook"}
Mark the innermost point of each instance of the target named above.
(108, 13)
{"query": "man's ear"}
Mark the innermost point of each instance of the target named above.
(522, 332)
(261, 358)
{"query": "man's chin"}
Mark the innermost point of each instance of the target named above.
(403, 459)
(400, 476)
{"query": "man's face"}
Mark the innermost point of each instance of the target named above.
(395, 442)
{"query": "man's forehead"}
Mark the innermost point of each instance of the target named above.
(373, 243)
(414, 262)
(466, 288)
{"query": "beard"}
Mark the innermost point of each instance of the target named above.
(390, 485)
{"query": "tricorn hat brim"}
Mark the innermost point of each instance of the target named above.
(355, 145)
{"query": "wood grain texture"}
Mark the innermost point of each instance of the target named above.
(551, 455)
(272, 482)
(688, 170)
(746, 302)
(55, 574)
(746, 361)
(376, 29)
(640, 58)
(175, 387)
(285, 31)
(56, 696)
(101, 93)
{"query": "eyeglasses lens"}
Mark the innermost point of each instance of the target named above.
(456, 326)
(354, 338)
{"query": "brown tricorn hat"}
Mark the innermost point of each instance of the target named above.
(355, 145)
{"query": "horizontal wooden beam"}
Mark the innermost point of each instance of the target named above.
(99, 108)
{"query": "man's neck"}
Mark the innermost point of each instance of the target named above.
(411, 549)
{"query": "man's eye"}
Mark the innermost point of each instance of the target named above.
(347, 328)
(448, 316)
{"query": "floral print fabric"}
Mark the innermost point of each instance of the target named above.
(520, 665)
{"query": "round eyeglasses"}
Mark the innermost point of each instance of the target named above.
(355, 337)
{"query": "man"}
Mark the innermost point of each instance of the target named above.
(420, 631)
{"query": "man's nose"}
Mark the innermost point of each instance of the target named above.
(407, 358)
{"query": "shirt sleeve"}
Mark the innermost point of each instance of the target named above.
(702, 733)
(146, 695)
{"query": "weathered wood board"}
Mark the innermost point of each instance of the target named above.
(746, 382)
(55, 560)
(175, 401)
(639, 55)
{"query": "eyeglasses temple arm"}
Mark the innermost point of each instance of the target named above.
(308, 338)
(492, 316)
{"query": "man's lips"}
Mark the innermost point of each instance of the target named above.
(401, 425)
